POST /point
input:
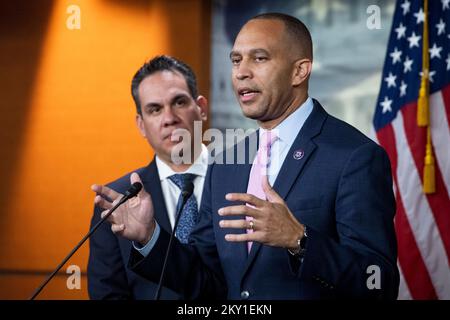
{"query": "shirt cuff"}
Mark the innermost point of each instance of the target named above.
(145, 250)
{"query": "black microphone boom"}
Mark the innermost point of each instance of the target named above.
(186, 193)
(130, 193)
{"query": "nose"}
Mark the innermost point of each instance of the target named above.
(169, 117)
(242, 71)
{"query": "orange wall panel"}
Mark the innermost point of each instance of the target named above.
(76, 125)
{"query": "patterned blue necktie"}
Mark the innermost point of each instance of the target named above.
(189, 215)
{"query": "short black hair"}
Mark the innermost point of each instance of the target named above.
(158, 64)
(296, 29)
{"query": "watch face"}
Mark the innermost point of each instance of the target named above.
(303, 242)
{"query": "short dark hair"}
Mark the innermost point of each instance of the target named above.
(296, 29)
(162, 63)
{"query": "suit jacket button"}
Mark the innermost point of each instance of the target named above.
(245, 294)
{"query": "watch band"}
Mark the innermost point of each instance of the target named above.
(301, 245)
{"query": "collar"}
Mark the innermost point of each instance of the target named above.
(198, 168)
(289, 128)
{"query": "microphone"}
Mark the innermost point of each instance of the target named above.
(186, 193)
(130, 193)
(133, 191)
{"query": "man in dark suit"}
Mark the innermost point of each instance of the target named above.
(309, 216)
(166, 98)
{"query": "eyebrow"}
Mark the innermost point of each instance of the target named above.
(175, 98)
(234, 53)
(259, 50)
(251, 52)
(180, 96)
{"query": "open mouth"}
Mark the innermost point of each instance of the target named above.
(247, 94)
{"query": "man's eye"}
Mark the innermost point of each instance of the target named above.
(260, 59)
(153, 110)
(180, 102)
(235, 61)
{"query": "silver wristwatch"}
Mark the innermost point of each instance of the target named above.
(301, 245)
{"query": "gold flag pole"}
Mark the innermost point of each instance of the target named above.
(423, 110)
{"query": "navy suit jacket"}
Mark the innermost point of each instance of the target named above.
(108, 275)
(341, 189)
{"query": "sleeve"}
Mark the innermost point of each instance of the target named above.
(363, 262)
(106, 273)
(145, 250)
(193, 269)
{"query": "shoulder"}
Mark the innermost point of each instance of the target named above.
(339, 142)
(339, 135)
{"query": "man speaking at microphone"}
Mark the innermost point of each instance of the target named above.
(308, 216)
(166, 97)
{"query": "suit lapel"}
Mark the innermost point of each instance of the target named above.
(300, 151)
(152, 184)
(296, 158)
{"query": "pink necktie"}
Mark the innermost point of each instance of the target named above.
(259, 169)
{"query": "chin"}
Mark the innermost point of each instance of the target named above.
(251, 113)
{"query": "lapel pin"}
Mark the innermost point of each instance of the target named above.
(298, 154)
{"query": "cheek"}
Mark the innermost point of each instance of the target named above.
(151, 137)
(266, 79)
(151, 129)
(279, 85)
(234, 82)
(191, 114)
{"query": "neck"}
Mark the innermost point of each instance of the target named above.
(293, 106)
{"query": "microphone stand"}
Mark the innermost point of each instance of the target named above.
(130, 193)
(186, 193)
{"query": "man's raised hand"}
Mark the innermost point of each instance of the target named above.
(134, 220)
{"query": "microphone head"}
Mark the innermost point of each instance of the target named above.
(133, 190)
(188, 190)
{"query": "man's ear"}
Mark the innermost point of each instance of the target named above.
(202, 103)
(302, 70)
(140, 124)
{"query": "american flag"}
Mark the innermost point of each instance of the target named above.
(423, 217)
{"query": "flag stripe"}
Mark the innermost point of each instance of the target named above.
(417, 277)
(446, 97)
(440, 134)
(419, 214)
(410, 258)
(403, 291)
(417, 139)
